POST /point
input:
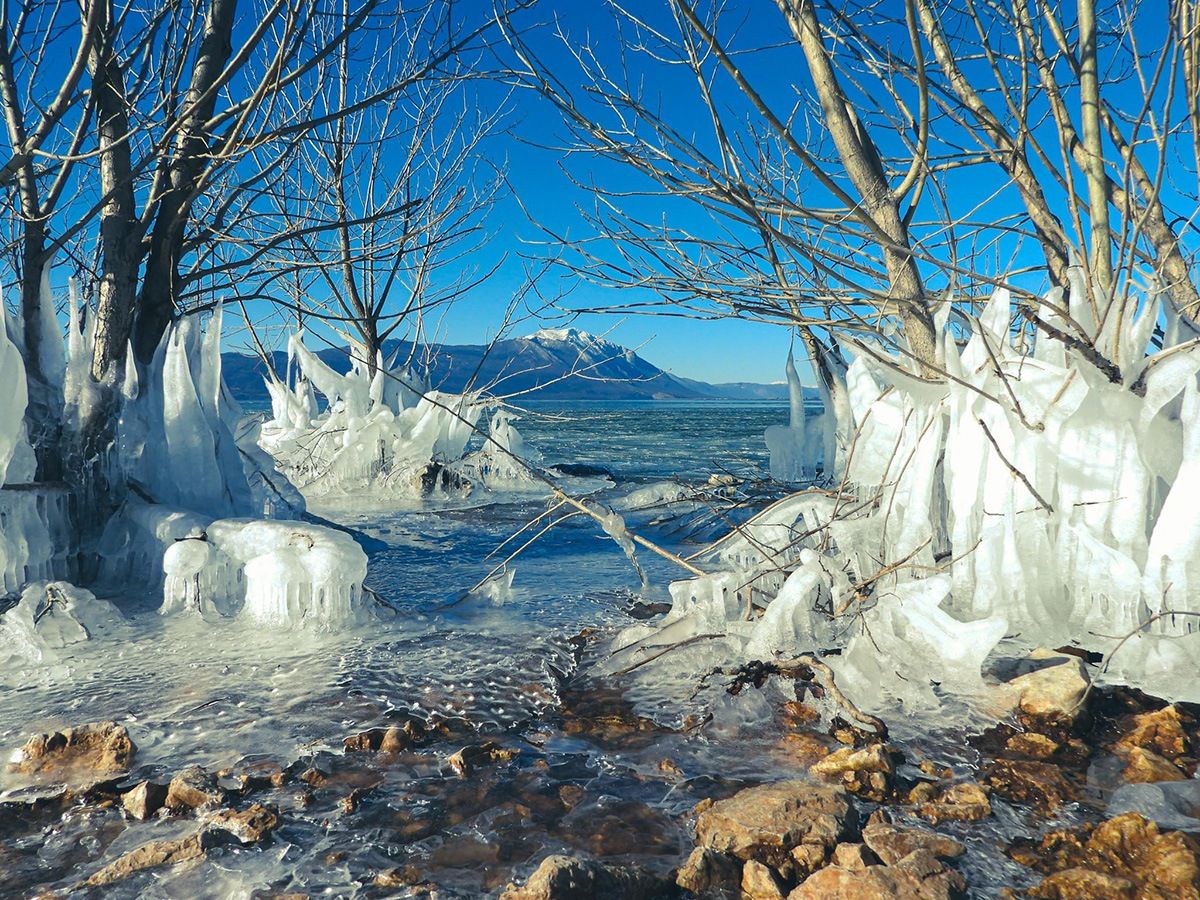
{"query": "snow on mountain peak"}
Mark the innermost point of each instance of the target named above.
(573, 336)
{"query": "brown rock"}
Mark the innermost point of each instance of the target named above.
(99, 747)
(568, 878)
(919, 876)
(853, 856)
(393, 739)
(193, 788)
(400, 876)
(1084, 884)
(144, 800)
(1041, 785)
(760, 882)
(892, 843)
(766, 822)
(1032, 744)
(1145, 766)
(1127, 847)
(805, 747)
(706, 871)
(471, 758)
(866, 771)
(806, 859)
(963, 802)
(149, 856)
(1161, 732)
(249, 826)
(797, 715)
(1051, 686)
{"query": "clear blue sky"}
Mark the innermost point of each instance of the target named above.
(715, 351)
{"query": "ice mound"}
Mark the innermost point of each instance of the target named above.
(50, 617)
(505, 461)
(1035, 493)
(385, 435)
(273, 573)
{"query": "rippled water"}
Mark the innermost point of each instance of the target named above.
(214, 693)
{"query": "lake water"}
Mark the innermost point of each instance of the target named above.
(220, 694)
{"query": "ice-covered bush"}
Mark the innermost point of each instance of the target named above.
(1033, 492)
(383, 435)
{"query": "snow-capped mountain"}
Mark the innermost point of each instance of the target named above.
(549, 364)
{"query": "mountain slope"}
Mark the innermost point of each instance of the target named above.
(551, 364)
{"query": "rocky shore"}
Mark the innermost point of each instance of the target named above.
(1100, 781)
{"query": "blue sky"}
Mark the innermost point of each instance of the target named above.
(716, 351)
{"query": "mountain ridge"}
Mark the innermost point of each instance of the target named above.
(550, 364)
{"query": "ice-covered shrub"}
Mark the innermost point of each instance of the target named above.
(1032, 492)
(385, 434)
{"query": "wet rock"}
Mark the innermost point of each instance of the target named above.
(193, 788)
(569, 878)
(1127, 847)
(256, 774)
(150, 856)
(963, 802)
(1051, 686)
(892, 843)
(642, 610)
(707, 871)
(866, 771)
(804, 747)
(853, 856)
(1146, 767)
(1032, 744)
(603, 715)
(767, 822)
(471, 758)
(1077, 884)
(99, 747)
(393, 739)
(798, 715)
(1162, 732)
(144, 800)
(760, 882)
(398, 877)
(918, 876)
(249, 826)
(1041, 785)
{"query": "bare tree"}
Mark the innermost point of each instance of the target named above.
(884, 172)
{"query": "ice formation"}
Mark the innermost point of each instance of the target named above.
(382, 435)
(52, 616)
(792, 451)
(274, 573)
(1027, 495)
(193, 480)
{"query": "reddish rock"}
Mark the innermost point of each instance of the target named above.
(249, 826)
(892, 843)
(193, 788)
(918, 876)
(144, 800)
(760, 882)
(963, 802)
(100, 748)
(707, 871)
(766, 823)
(470, 759)
(1145, 767)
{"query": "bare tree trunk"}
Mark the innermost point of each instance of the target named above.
(865, 170)
(160, 286)
(119, 230)
(43, 414)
